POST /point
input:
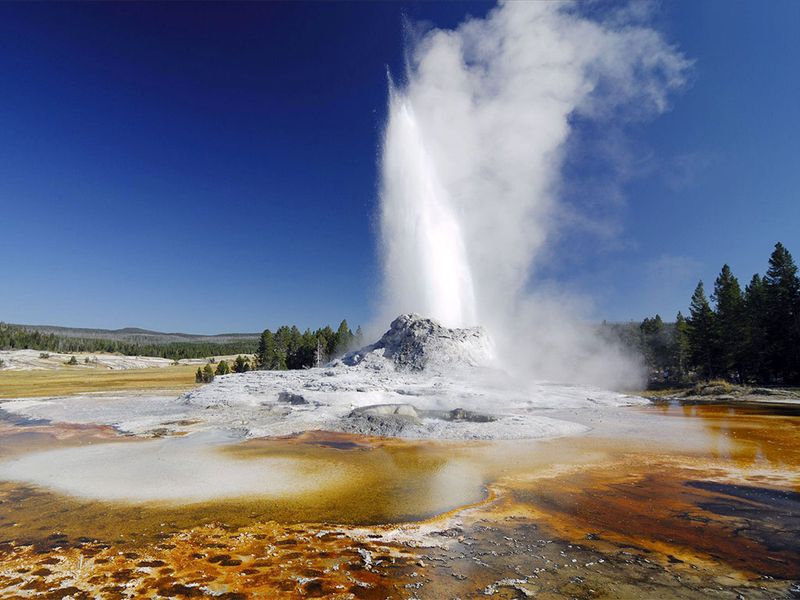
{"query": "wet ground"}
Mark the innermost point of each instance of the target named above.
(665, 501)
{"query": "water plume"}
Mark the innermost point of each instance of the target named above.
(473, 154)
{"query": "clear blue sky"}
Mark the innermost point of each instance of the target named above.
(209, 168)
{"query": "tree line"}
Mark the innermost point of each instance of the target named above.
(749, 335)
(288, 348)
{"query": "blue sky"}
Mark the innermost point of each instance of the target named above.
(209, 168)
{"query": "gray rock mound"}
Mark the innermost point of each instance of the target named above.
(405, 420)
(414, 343)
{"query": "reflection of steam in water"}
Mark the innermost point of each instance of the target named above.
(748, 434)
(314, 476)
(178, 469)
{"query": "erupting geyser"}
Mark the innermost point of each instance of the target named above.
(426, 262)
(473, 152)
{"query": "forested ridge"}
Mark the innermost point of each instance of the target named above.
(286, 348)
(18, 337)
(743, 335)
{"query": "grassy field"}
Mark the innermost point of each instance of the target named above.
(26, 384)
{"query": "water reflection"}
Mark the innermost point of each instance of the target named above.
(649, 492)
(749, 435)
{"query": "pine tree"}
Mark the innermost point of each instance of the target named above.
(782, 288)
(755, 345)
(701, 333)
(241, 364)
(294, 349)
(223, 368)
(681, 346)
(328, 339)
(308, 349)
(282, 336)
(729, 325)
(206, 375)
(266, 355)
(343, 339)
(655, 345)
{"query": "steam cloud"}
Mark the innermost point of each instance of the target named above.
(472, 159)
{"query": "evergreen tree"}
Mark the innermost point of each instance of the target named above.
(241, 364)
(701, 334)
(328, 339)
(223, 368)
(204, 375)
(655, 345)
(755, 363)
(294, 349)
(681, 347)
(729, 324)
(282, 338)
(266, 356)
(782, 288)
(343, 339)
(308, 347)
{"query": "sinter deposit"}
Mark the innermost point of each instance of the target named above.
(419, 381)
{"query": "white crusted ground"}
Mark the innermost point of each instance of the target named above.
(419, 381)
(35, 360)
(234, 407)
(276, 403)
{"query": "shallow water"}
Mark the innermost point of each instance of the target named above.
(660, 501)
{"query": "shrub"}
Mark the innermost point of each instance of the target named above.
(223, 368)
(204, 375)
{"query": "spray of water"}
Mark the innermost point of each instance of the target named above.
(426, 260)
(473, 153)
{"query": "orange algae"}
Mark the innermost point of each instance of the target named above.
(689, 513)
(596, 516)
(267, 560)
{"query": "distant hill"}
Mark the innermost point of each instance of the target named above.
(136, 335)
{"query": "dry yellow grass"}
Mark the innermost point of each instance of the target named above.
(27, 384)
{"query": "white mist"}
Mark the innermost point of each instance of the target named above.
(471, 167)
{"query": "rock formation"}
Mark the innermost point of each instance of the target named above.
(414, 343)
